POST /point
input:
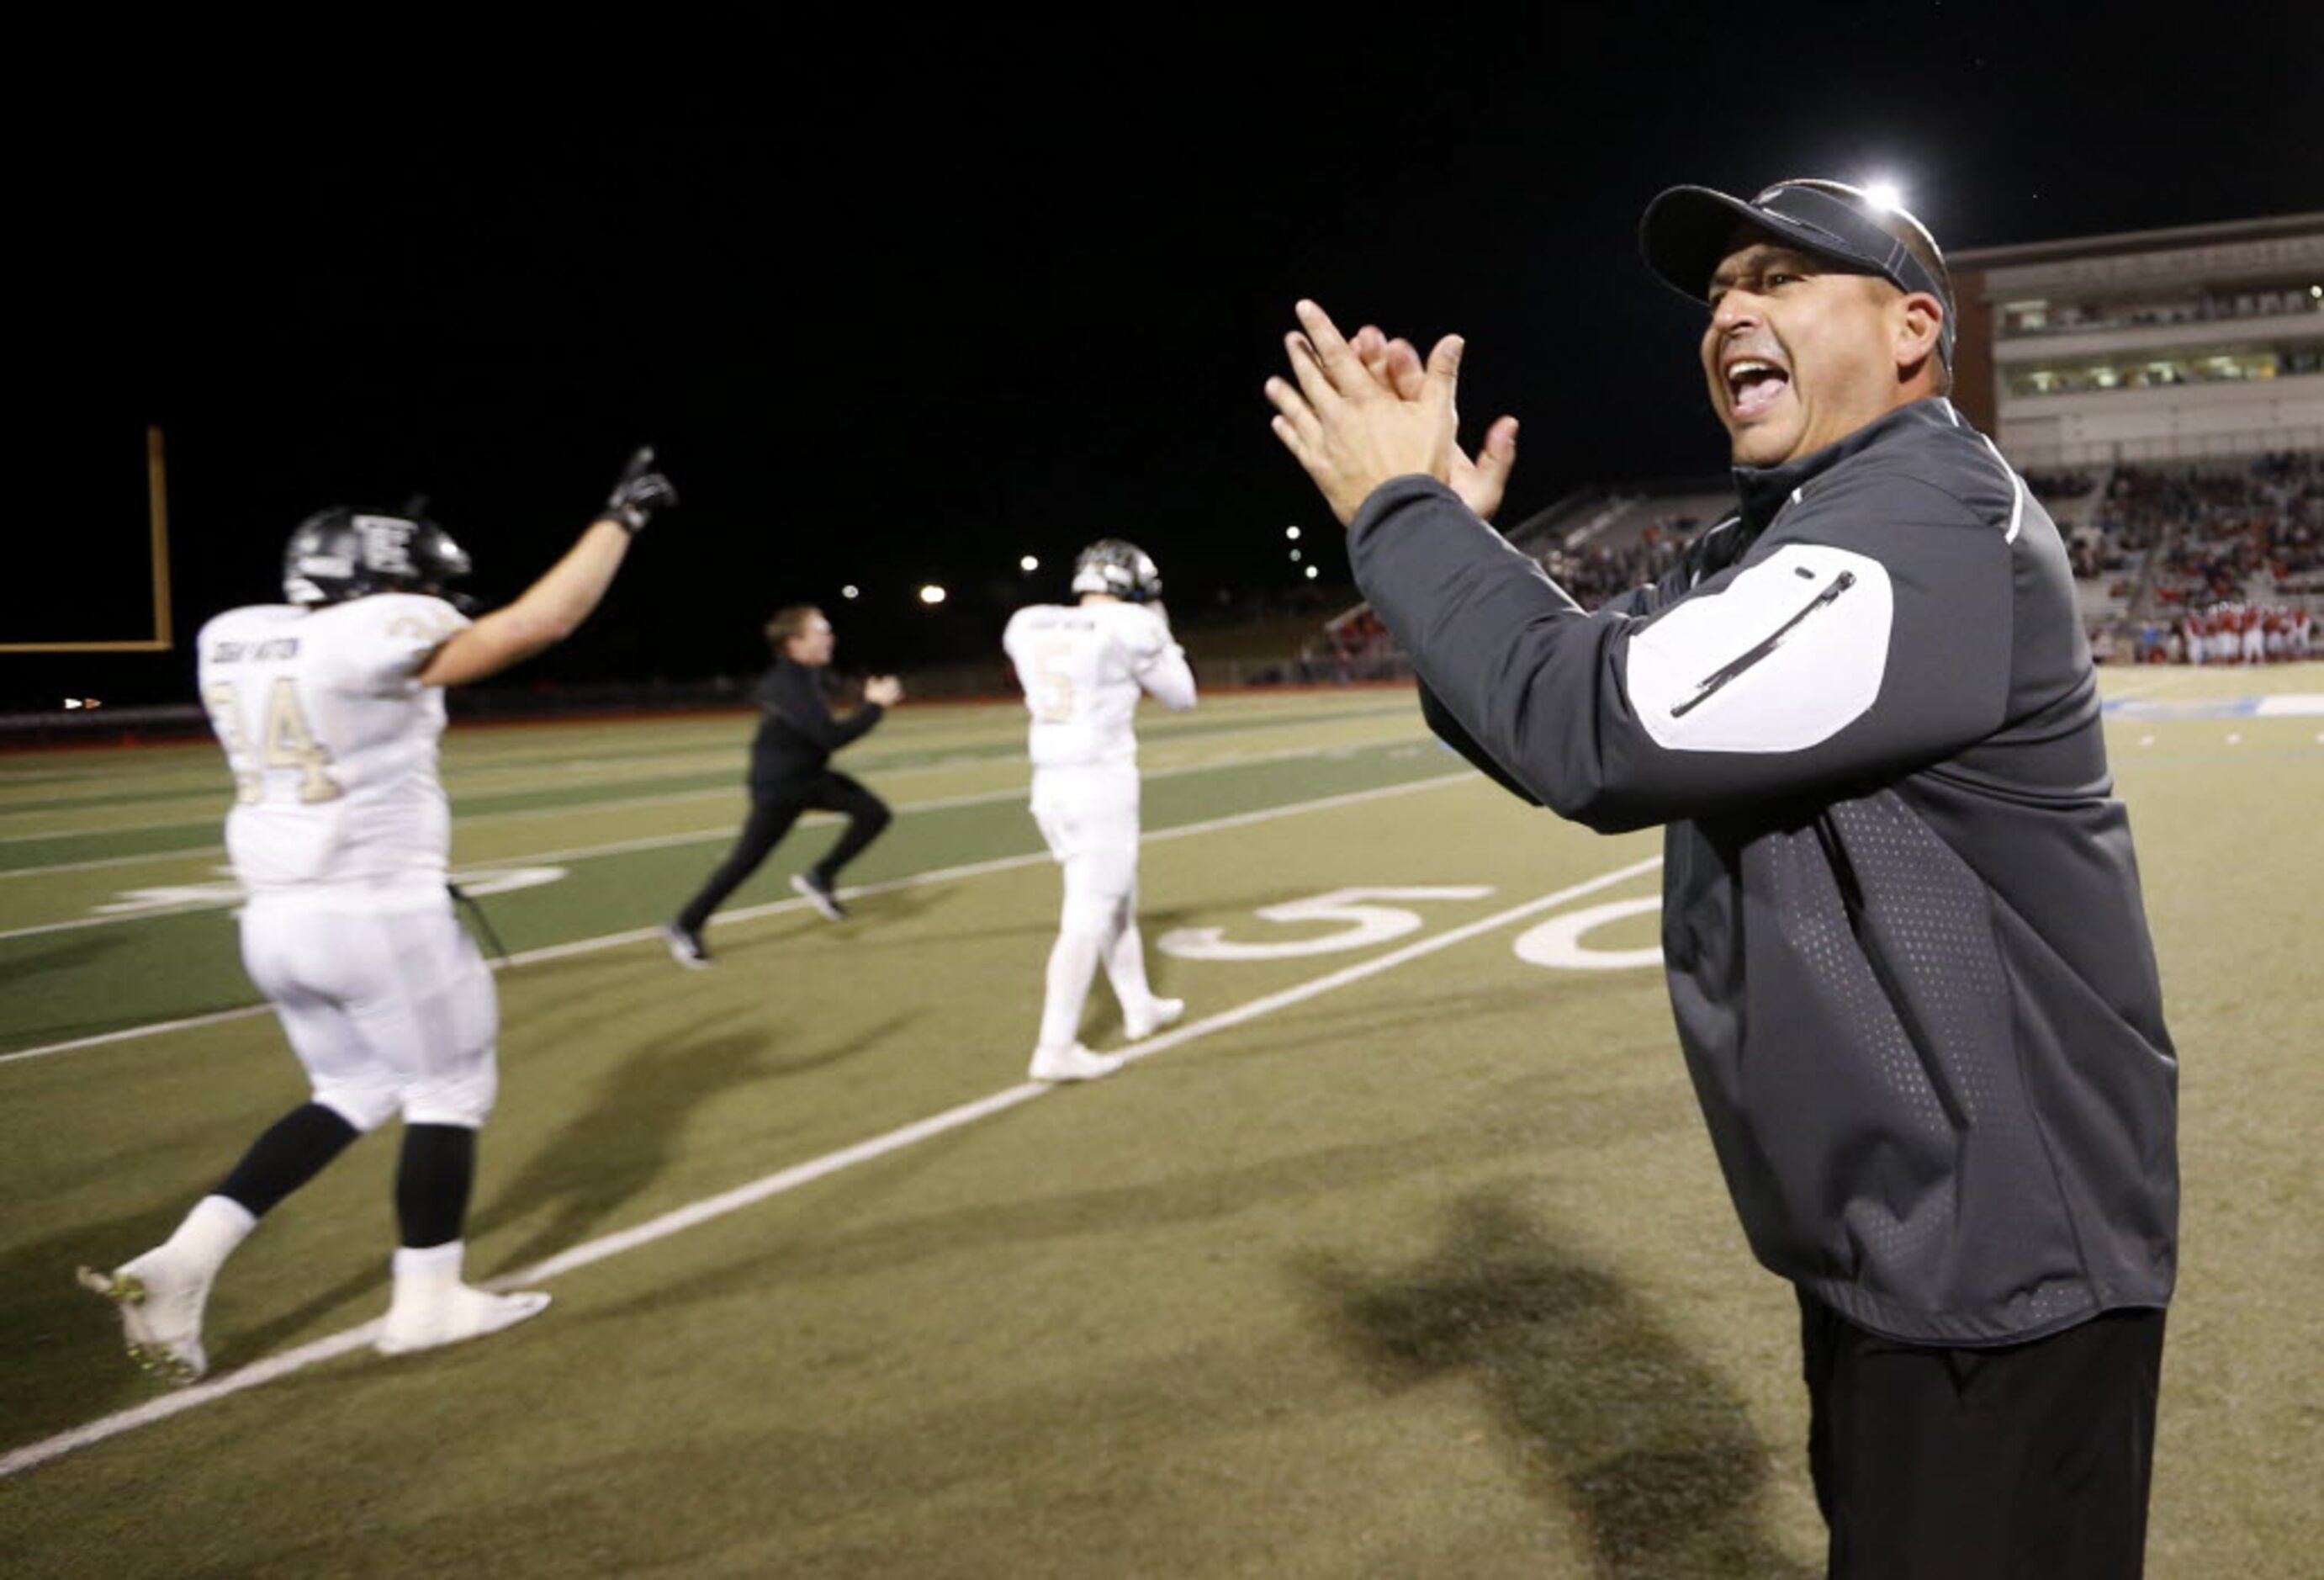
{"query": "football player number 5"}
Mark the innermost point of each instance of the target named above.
(285, 741)
(1049, 688)
(1363, 924)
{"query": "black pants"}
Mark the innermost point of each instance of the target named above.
(774, 807)
(2029, 1460)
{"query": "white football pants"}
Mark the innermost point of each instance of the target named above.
(1089, 817)
(384, 998)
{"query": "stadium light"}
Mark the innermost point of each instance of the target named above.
(1292, 533)
(850, 590)
(1311, 573)
(1294, 557)
(1029, 563)
(932, 594)
(1884, 193)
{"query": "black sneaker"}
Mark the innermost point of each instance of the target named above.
(687, 948)
(819, 895)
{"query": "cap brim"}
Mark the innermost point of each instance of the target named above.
(1687, 230)
(1684, 232)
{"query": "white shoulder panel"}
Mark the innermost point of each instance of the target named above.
(1786, 655)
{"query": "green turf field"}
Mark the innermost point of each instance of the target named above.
(1406, 1256)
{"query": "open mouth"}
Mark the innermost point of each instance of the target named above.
(1753, 385)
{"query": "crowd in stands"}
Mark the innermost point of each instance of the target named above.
(2215, 533)
(2220, 530)
(1596, 572)
(2200, 542)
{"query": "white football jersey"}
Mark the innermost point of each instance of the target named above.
(1083, 667)
(331, 739)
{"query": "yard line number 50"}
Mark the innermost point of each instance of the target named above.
(285, 741)
(1363, 921)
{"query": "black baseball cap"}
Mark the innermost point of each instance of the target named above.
(1685, 233)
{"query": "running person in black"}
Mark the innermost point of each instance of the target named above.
(790, 773)
(1902, 925)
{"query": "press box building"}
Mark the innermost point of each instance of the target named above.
(2161, 344)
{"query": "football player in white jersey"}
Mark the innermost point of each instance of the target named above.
(1083, 667)
(329, 707)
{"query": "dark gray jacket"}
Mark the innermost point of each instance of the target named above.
(797, 732)
(1900, 916)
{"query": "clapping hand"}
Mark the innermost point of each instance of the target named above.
(883, 690)
(1361, 412)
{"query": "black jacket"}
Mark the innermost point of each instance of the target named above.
(796, 733)
(1900, 920)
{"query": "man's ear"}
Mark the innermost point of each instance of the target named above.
(1919, 322)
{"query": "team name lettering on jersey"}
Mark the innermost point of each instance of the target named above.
(1083, 669)
(256, 653)
(331, 740)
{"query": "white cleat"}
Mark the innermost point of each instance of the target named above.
(160, 1305)
(450, 1313)
(1159, 1012)
(1071, 1062)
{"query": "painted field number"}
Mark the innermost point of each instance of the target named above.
(1558, 941)
(1362, 924)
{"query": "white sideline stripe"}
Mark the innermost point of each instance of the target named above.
(170, 1404)
(742, 1195)
(126, 1033)
(774, 907)
(723, 831)
(997, 864)
(788, 1179)
(212, 791)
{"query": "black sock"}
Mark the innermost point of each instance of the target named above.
(292, 1151)
(432, 1181)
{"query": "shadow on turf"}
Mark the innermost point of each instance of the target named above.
(64, 1344)
(1647, 1447)
(1210, 1185)
(615, 1151)
(85, 951)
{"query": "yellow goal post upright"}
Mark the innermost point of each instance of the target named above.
(158, 638)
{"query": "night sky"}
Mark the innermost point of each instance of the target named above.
(902, 299)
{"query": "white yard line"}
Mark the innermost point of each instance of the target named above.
(783, 1180)
(461, 783)
(723, 831)
(777, 906)
(735, 792)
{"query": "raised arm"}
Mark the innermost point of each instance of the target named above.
(553, 608)
(1162, 670)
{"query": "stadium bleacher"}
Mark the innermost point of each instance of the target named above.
(2172, 559)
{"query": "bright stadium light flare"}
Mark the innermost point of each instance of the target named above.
(1311, 573)
(1292, 533)
(1030, 562)
(849, 591)
(932, 594)
(1884, 193)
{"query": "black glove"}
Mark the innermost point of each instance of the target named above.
(639, 491)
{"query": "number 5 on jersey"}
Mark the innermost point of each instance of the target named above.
(1050, 687)
(285, 741)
